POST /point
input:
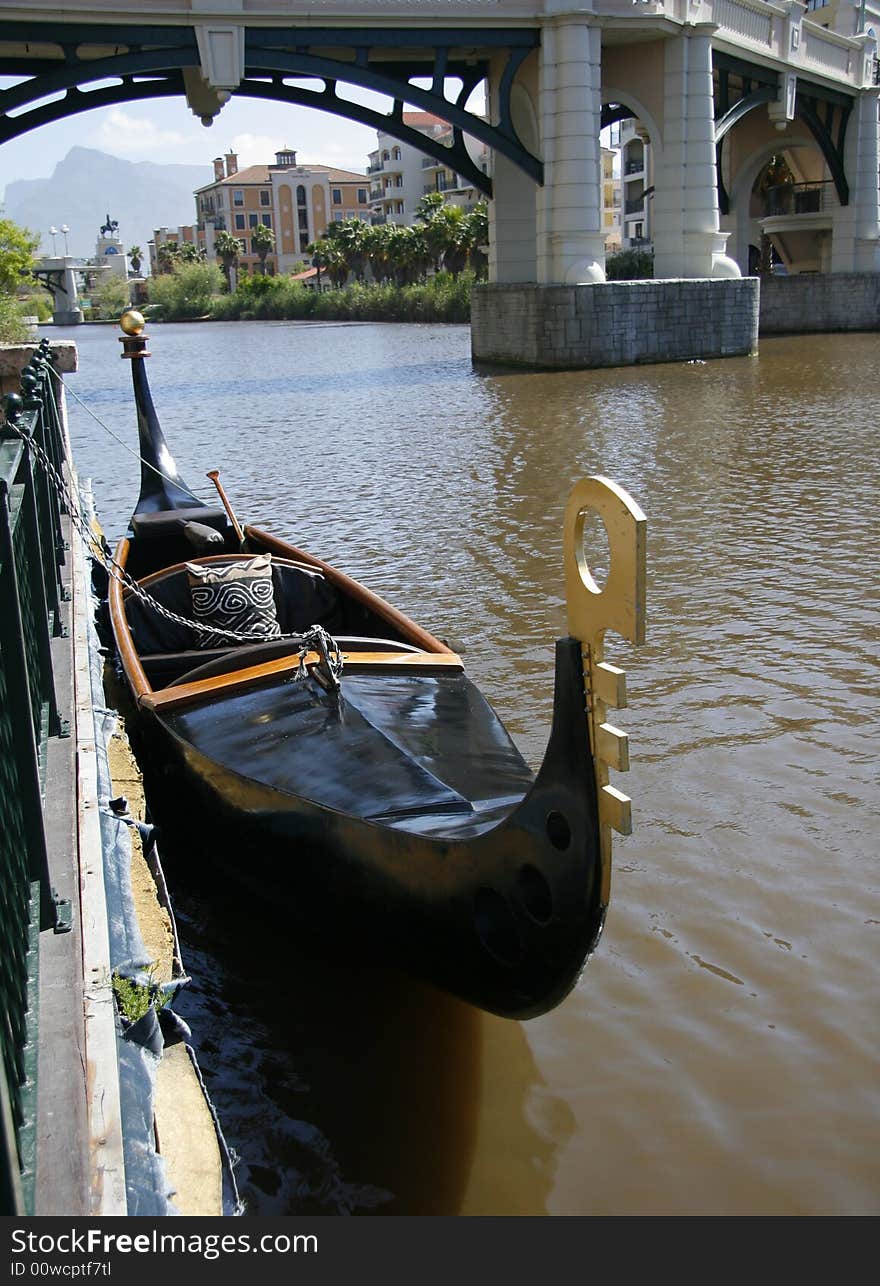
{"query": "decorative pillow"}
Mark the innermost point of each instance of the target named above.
(234, 596)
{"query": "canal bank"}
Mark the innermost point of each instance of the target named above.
(101, 1114)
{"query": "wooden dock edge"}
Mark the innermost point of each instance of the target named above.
(106, 1154)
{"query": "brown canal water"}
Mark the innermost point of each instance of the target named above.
(720, 1053)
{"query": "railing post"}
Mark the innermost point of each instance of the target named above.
(21, 712)
(48, 532)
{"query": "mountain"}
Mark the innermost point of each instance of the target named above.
(88, 185)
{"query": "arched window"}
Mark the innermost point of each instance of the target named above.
(300, 194)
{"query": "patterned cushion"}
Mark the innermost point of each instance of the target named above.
(234, 596)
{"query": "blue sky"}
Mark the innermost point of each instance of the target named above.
(164, 130)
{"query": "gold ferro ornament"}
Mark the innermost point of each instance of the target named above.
(619, 606)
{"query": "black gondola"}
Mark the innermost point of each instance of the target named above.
(352, 769)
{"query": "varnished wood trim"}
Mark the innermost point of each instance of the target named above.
(205, 561)
(140, 684)
(240, 680)
(413, 633)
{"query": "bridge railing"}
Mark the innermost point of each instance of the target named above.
(32, 553)
(767, 28)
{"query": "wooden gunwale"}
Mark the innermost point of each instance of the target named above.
(433, 654)
(352, 589)
(240, 680)
(131, 663)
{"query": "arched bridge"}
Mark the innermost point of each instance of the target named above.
(717, 86)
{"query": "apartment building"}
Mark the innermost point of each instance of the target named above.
(637, 184)
(296, 201)
(611, 199)
(401, 174)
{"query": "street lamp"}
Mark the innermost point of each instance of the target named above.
(65, 230)
(53, 233)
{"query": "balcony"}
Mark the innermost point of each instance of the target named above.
(635, 167)
(798, 218)
(635, 205)
(799, 198)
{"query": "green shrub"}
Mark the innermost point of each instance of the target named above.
(187, 291)
(630, 265)
(110, 297)
(13, 330)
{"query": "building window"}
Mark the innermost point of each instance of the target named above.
(362, 196)
(267, 221)
(238, 197)
(395, 154)
(239, 222)
(253, 220)
(303, 244)
(639, 232)
(300, 194)
(337, 196)
(337, 216)
(265, 197)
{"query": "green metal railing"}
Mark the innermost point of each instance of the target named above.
(32, 554)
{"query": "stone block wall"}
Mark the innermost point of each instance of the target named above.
(620, 323)
(820, 302)
(15, 357)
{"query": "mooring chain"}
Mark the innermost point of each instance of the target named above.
(315, 639)
(46, 365)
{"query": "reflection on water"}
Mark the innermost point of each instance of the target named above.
(720, 1053)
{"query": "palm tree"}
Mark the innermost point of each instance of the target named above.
(167, 256)
(228, 248)
(263, 240)
(328, 255)
(351, 235)
(135, 255)
(431, 212)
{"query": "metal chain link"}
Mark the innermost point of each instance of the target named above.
(315, 638)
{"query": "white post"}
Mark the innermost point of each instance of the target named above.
(570, 238)
(687, 237)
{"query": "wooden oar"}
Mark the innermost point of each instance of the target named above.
(214, 475)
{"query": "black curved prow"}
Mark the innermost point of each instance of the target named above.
(162, 487)
(166, 507)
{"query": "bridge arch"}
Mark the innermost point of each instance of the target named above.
(629, 105)
(739, 216)
(302, 67)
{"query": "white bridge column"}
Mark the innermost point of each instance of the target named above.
(855, 245)
(570, 238)
(687, 237)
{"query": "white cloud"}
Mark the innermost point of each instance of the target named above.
(255, 149)
(127, 135)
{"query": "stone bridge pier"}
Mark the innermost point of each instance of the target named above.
(548, 302)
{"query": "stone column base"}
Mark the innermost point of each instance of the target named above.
(614, 323)
(67, 317)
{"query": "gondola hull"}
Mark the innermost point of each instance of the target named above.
(362, 785)
(500, 905)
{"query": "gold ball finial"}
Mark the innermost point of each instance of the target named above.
(132, 322)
